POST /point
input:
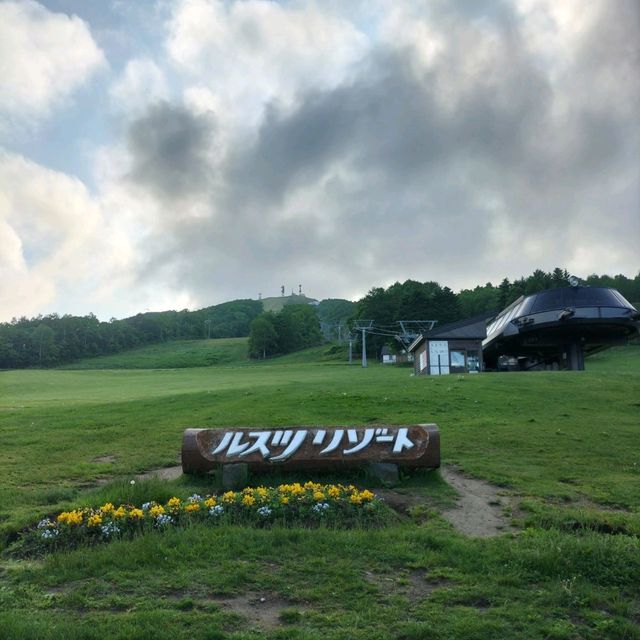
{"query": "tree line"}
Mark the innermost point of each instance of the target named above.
(488, 297)
(46, 341)
(294, 328)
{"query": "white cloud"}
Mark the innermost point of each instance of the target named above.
(141, 83)
(249, 53)
(44, 57)
(55, 241)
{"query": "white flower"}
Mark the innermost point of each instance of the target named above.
(218, 510)
(109, 529)
(265, 512)
(163, 520)
(132, 482)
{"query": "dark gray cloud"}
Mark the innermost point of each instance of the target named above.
(484, 163)
(170, 148)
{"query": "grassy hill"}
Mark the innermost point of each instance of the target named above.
(188, 354)
(564, 445)
(175, 354)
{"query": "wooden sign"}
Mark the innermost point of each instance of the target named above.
(307, 447)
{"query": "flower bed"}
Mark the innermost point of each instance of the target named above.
(310, 504)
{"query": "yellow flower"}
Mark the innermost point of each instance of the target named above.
(229, 496)
(173, 503)
(70, 517)
(136, 514)
(119, 512)
(367, 495)
(95, 520)
(210, 502)
(107, 508)
(262, 493)
(318, 496)
(284, 499)
(334, 492)
(156, 510)
(192, 507)
(248, 501)
(356, 498)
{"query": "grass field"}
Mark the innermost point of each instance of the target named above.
(171, 355)
(565, 444)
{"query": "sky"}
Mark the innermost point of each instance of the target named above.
(178, 154)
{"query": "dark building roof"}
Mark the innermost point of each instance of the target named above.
(558, 300)
(545, 326)
(469, 329)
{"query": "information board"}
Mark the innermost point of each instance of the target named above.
(438, 357)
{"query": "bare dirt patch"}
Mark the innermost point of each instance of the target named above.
(400, 501)
(414, 585)
(480, 509)
(108, 458)
(261, 610)
(164, 473)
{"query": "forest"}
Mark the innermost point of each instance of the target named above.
(50, 340)
(46, 341)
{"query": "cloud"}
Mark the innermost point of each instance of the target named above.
(250, 53)
(142, 83)
(464, 159)
(55, 240)
(44, 57)
(170, 148)
(345, 146)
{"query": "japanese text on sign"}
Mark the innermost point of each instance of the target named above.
(305, 447)
(347, 441)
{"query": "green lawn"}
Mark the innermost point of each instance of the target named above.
(171, 355)
(566, 444)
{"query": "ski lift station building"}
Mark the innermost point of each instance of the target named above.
(450, 348)
(555, 328)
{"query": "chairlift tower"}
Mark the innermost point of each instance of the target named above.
(411, 329)
(364, 326)
(351, 337)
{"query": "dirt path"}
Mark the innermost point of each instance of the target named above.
(479, 512)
